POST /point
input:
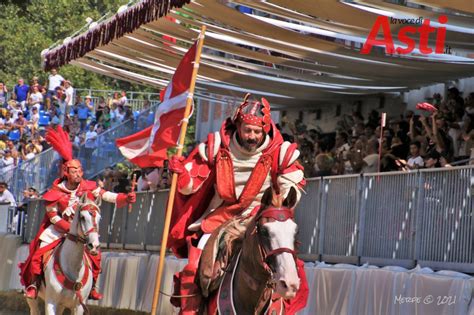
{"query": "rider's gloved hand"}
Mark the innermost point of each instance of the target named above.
(62, 226)
(131, 197)
(124, 199)
(176, 165)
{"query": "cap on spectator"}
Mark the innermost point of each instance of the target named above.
(67, 81)
(4, 184)
(88, 96)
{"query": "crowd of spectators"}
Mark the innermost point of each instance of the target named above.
(118, 179)
(408, 142)
(26, 110)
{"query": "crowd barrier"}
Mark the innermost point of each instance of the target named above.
(403, 218)
(128, 280)
(135, 100)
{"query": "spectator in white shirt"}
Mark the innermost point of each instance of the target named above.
(149, 180)
(119, 114)
(69, 92)
(34, 120)
(27, 152)
(54, 80)
(7, 161)
(5, 195)
(8, 119)
(123, 99)
(371, 160)
(36, 98)
(14, 109)
(415, 161)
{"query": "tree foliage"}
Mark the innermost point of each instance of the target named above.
(29, 26)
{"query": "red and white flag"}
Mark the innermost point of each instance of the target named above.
(148, 147)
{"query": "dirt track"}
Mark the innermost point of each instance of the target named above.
(13, 303)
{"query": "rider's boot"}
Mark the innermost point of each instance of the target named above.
(31, 291)
(192, 302)
(94, 294)
(95, 265)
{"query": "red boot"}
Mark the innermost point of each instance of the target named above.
(95, 266)
(188, 285)
(94, 295)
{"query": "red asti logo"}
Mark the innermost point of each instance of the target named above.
(406, 35)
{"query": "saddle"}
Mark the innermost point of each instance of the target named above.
(218, 252)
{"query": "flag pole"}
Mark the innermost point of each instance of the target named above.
(134, 184)
(382, 125)
(174, 179)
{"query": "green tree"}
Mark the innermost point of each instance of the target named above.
(28, 27)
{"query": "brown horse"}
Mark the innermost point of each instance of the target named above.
(264, 272)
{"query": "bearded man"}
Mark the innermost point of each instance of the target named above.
(225, 178)
(62, 200)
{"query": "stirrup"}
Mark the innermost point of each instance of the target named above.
(31, 292)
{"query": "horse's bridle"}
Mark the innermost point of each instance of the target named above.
(275, 214)
(93, 210)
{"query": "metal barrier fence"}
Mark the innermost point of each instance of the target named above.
(135, 100)
(40, 171)
(16, 221)
(402, 218)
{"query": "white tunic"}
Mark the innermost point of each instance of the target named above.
(244, 162)
(50, 234)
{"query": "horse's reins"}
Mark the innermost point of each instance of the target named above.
(278, 214)
(83, 238)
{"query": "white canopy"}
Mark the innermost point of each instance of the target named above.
(293, 52)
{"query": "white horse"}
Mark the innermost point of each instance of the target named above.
(70, 287)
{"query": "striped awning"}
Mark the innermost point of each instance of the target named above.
(293, 52)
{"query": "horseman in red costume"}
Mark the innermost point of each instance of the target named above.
(224, 178)
(62, 201)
